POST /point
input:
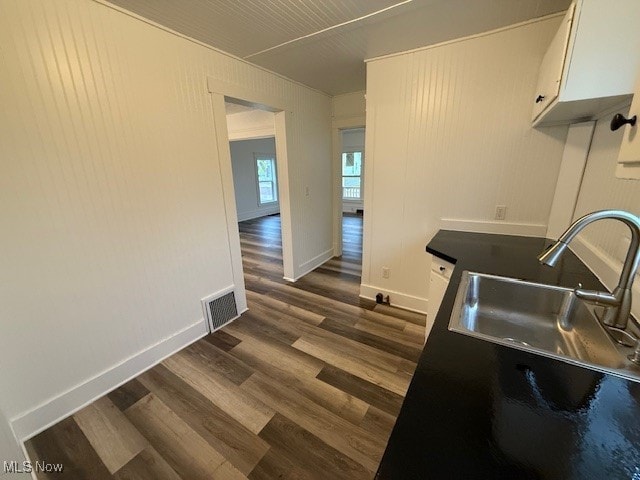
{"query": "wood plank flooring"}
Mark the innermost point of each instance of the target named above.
(307, 384)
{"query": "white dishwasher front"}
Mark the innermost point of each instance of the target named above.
(438, 282)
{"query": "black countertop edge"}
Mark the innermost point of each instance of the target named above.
(440, 254)
(475, 409)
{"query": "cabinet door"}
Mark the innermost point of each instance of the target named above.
(552, 66)
(438, 285)
(629, 155)
(604, 50)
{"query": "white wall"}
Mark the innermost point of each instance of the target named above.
(353, 141)
(111, 197)
(244, 177)
(574, 161)
(449, 136)
(252, 124)
(603, 245)
(349, 106)
(10, 450)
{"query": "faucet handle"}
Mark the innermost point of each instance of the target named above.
(594, 296)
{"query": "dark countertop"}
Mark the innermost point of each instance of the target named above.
(475, 409)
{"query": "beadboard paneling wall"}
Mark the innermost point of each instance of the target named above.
(348, 106)
(601, 189)
(449, 136)
(111, 195)
(605, 243)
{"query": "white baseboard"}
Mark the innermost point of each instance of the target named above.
(490, 226)
(397, 299)
(251, 214)
(351, 207)
(49, 413)
(312, 264)
(606, 268)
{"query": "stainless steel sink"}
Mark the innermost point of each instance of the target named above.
(537, 318)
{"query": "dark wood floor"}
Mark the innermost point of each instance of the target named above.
(306, 384)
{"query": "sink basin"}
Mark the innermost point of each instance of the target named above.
(537, 318)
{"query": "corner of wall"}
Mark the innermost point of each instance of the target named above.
(396, 299)
(310, 265)
(61, 406)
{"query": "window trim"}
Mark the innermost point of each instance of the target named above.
(266, 156)
(360, 199)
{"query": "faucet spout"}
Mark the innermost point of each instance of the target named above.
(552, 254)
(619, 301)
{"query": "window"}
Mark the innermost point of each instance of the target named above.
(352, 176)
(267, 184)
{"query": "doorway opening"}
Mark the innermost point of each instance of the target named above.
(252, 145)
(352, 170)
(351, 191)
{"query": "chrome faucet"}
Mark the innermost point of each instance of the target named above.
(618, 303)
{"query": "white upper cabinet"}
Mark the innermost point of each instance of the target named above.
(591, 64)
(629, 156)
(552, 65)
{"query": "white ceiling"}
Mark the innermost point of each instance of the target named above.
(323, 43)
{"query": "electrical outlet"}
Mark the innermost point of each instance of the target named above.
(386, 271)
(501, 212)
